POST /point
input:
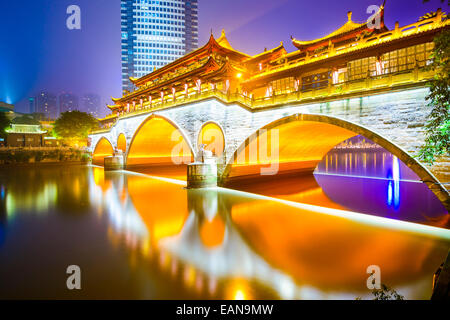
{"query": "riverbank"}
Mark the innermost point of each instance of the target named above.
(15, 156)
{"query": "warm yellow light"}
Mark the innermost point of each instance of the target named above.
(122, 143)
(102, 149)
(212, 136)
(292, 146)
(239, 295)
(158, 141)
(239, 75)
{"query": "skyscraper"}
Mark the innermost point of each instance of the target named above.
(32, 104)
(91, 104)
(46, 105)
(155, 33)
(68, 102)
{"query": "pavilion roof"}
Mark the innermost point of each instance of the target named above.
(228, 68)
(213, 45)
(349, 29)
(210, 65)
(267, 54)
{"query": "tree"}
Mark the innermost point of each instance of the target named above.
(4, 124)
(385, 293)
(437, 127)
(74, 125)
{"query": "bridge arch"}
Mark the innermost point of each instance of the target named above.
(303, 141)
(103, 148)
(208, 133)
(122, 142)
(159, 141)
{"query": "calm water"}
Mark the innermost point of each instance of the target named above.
(149, 238)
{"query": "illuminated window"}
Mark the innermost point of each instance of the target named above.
(283, 86)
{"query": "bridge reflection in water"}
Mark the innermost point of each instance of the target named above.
(139, 237)
(220, 243)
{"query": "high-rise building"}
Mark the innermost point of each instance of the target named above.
(46, 104)
(155, 33)
(68, 102)
(32, 104)
(191, 23)
(91, 104)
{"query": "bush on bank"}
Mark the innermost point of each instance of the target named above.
(34, 156)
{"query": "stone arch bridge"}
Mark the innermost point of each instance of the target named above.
(306, 132)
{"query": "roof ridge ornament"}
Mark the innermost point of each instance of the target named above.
(349, 16)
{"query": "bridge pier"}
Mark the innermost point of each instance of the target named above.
(113, 163)
(202, 174)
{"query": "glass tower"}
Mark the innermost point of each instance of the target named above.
(155, 33)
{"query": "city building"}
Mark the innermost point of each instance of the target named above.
(68, 102)
(155, 33)
(91, 104)
(46, 104)
(32, 104)
(355, 56)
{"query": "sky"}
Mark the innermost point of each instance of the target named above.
(38, 52)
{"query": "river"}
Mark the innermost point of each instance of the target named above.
(137, 236)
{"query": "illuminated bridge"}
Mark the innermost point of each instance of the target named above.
(358, 80)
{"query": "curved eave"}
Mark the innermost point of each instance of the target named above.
(113, 107)
(227, 68)
(348, 28)
(341, 32)
(111, 116)
(264, 54)
(133, 80)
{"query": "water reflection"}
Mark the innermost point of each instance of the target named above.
(220, 239)
(38, 192)
(141, 237)
(361, 157)
(359, 194)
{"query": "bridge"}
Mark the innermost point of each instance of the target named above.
(304, 103)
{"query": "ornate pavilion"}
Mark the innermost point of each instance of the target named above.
(334, 64)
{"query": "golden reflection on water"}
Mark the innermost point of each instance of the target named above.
(331, 252)
(297, 188)
(218, 244)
